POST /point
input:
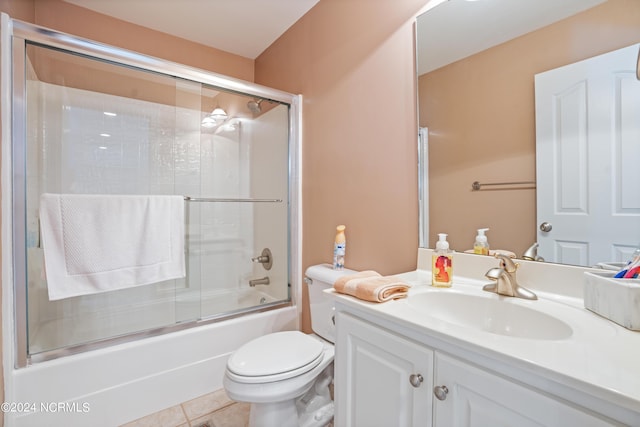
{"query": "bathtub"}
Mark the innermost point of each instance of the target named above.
(117, 384)
(67, 326)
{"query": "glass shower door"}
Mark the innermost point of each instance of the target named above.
(101, 128)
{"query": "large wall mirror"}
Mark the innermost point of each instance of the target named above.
(523, 136)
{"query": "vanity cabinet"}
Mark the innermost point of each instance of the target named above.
(479, 398)
(381, 378)
(385, 379)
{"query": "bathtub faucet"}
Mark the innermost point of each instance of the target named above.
(265, 258)
(263, 281)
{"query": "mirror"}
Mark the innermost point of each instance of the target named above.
(477, 64)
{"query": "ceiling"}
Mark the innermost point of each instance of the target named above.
(242, 27)
(456, 29)
(248, 27)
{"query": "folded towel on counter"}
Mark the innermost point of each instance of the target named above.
(98, 243)
(371, 286)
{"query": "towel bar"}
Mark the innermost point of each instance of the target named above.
(214, 200)
(476, 186)
(195, 199)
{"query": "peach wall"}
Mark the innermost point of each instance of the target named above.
(23, 10)
(69, 18)
(481, 120)
(353, 61)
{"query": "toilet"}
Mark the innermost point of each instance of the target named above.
(286, 375)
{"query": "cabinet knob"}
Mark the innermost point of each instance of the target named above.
(441, 392)
(416, 380)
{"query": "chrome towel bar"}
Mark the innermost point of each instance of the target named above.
(214, 199)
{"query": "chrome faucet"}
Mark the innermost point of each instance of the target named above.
(505, 280)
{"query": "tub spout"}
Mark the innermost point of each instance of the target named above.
(263, 281)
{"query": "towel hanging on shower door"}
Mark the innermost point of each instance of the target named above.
(98, 243)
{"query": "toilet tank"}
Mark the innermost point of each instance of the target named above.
(318, 278)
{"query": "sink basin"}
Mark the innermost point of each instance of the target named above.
(490, 314)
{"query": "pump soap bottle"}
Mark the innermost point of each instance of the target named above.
(481, 246)
(442, 264)
(339, 248)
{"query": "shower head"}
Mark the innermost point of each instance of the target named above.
(254, 106)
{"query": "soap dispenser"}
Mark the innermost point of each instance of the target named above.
(442, 263)
(481, 246)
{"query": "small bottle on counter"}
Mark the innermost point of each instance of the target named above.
(339, 248)
(442, 263)
(481, 246)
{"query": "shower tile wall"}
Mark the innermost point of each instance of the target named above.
(127, 146)
(267, 178)
(226, 235)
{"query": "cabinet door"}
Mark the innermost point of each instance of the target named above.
(478, 398)
(374, 372)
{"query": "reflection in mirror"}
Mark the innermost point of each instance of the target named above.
(638, 66)
(477, 67)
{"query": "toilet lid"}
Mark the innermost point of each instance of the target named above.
(279, 355)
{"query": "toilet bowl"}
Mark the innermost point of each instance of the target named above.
(286, 375)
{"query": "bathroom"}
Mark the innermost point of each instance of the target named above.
(359, 118)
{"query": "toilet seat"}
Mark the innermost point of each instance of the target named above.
(275, 357)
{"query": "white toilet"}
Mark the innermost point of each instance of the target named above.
(286, 375)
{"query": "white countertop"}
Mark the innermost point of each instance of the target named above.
(600, 360)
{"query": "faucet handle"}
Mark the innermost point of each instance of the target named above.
(507, 263)
(265, 258)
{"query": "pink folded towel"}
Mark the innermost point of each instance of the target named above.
(371, 286)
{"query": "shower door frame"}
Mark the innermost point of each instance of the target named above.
(15, 35)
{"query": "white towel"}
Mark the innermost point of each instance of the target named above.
(99, 243)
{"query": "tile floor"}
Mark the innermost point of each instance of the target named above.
(211, 410)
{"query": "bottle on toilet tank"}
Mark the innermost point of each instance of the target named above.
(339, 248)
